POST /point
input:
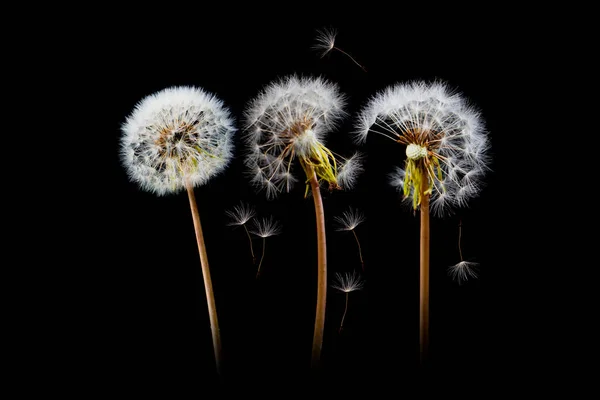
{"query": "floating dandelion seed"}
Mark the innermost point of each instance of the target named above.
(265, 228)
(177, 139)
(288, 121)
(464, 270)
(348, 221)
(326, 43)
(347, 282)
(240, 215)
(446, 157)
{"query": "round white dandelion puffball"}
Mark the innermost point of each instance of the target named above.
(177, 137)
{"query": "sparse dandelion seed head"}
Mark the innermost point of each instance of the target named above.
(266, 227)
(289, 120)
(348, 282)
(349, 220)
(241, 214)
(445, 141)
(176, 137)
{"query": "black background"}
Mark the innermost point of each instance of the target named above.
(144, 328)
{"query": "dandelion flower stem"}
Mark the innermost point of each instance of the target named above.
(344, 315)
(251, 248)
(210, 298)
(362, 263)
(424, 275)
(261, 257)
(322, 268)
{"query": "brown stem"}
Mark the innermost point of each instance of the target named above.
(344, 316)
(424, 277)
(362, 263)
(210, 298)
(322, 269)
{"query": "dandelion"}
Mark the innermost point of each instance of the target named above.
(446, 157)
(348, 221)
(288, 121)
(177, 139)
(348, 282)
(265, 228)
(463, 270)
(326, 43)
(240, 215)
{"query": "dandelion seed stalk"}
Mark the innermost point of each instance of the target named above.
(344, 315)
(322, 269)
(261, 257)
(210, 297)
(251, 247)
(362, 263)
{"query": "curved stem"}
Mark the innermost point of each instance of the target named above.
(424, 276)
(261, 258)
(210, 298)
(344, 316)
(359, 250)
(322, 268)
(251, 248)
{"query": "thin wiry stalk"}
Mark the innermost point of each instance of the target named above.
(210, 297)
(344, 315)
(261, 257)
(362, 263)
(251, 247)
(322, 270)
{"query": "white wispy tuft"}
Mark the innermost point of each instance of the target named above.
(266, 227)
(176, 137)
(350, 170)
(462, 271)
(241, 214)
(349, 220)
(290, 120)
(348, 282)
(445, 139)
(325, 40)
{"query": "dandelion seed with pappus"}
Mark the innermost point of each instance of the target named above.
(348, 221)
(347, 282)
(265, 228)
(240, 215)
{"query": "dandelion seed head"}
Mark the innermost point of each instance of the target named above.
(445, 141)
(289, 120)
(176, 137)
(348, 282)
